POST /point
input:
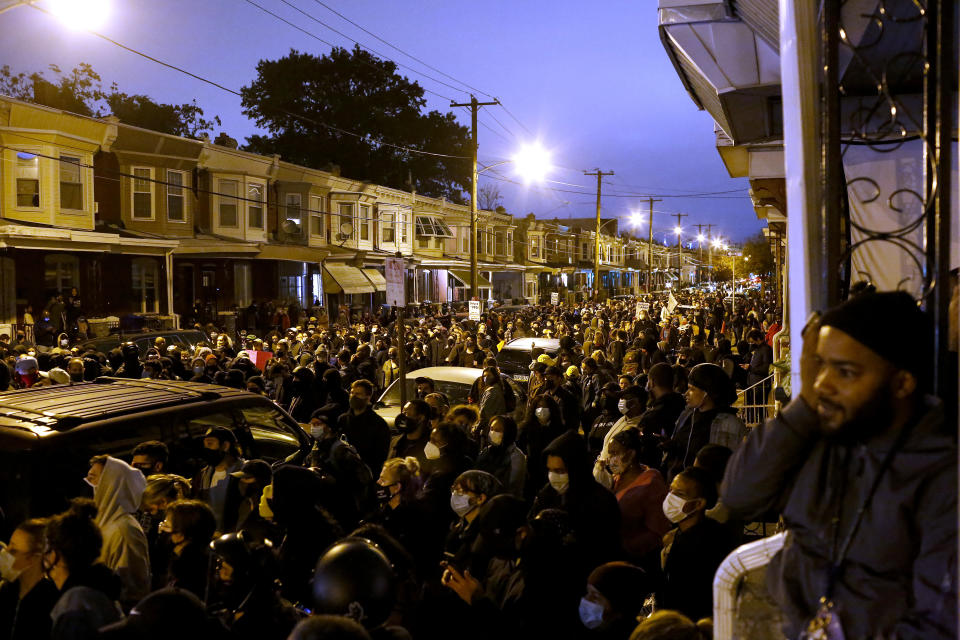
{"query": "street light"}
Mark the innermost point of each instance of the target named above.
(679, 231)
(75, 14)
(533, 162)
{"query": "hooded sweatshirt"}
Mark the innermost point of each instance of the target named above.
(117, 497)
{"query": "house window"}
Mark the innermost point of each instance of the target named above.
(365, 220)
(143, 193)
(176, 211)
(294, 214)
(509, 243)
(346, 218)
(145, 276)
(584, 251)
(28, 180)
(479, 241)
(534, 247)
(388, 232)
(318, 207)
(438, 243)
(61, 272)
(242, 284)
(255, 205)
(71, 184)
(228, 190)
(423, 243)
(406, 217)
(465, 239)
(501, 242)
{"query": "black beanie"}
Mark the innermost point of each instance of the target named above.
(718, 385)
(624, 585)
(890, 324)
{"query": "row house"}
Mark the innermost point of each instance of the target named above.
(196, 229)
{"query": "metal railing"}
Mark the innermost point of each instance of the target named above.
(756, 403)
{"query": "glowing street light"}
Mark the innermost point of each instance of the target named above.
(699, 237)
(637, 219)
(678, 230)
(532, 162)
(80, 14)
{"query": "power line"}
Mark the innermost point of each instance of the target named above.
(393, 46)
(240, 95)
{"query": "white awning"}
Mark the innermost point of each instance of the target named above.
(432, 226)
(376, 279)
(342, 278)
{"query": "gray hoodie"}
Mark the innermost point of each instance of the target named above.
(117, 497)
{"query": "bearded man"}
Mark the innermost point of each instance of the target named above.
(862, 466)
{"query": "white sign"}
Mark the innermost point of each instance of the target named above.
(642, 306)
(474, 310)
(672, 303)
(396, 278)
(554, 298)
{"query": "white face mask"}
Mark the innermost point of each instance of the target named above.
(591, 613)
(622, 406)
(673, 508)
(496, 437)
(559, 481)
(317, 432)
(431, 451)
(543, 414)
(7, 572)
(615, 466)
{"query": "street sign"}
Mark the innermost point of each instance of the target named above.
(474, 310)
(394, 275)
(554, 298)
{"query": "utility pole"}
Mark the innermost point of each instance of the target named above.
(650, 243)
(679, 217)
(474, 106)
(700, 247)
(710, 253)
(596, 256)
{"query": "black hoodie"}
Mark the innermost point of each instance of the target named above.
(593, 510)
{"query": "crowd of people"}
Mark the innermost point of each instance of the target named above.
(589, 503)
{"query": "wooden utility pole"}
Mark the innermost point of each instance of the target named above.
(596, 254)
(650, 243)
(474, 106)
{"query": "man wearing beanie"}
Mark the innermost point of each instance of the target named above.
(862, 467)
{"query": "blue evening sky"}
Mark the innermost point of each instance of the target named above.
(591, 80)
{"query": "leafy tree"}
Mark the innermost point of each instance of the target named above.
(357, 92)
(80, 91)
(757, 249)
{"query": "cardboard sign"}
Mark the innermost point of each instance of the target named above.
(393, 273)
(554, 298)
(642, 306)
(474, 310)
(258, 358)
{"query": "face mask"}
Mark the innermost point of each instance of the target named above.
(615, 466)
(212, 457)
(64, 343)
(383, 494)
(591, 613)
(76, 377)
(7, 572)
(543, 415)
(317, 432)
(357, 403)
(431, 451)
(559, 481)
(496, 438)
(622, 407)
(460, 503)
(266, 503)
(198, 371)
(673, 508)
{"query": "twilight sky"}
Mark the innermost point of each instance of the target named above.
(590, 80)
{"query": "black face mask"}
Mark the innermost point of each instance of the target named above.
(250, 490)
(212, 457)
(383, 494)
(76, 377)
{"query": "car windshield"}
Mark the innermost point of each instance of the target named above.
(514, 360)
(456, 392)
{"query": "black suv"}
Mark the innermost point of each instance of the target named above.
(49, 434)
(186, 339)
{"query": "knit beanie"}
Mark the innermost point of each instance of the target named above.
(718, 385)
(624, 585)
(890, 324)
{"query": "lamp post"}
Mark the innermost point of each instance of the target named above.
(679, 231)
(596, 264)
(699, 269)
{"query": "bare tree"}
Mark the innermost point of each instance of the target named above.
(489, 197)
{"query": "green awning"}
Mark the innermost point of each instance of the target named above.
(464, 278)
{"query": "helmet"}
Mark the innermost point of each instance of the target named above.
(354, 578)
(129, 350)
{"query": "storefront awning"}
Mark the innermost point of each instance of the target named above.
(376, 279)
(342, 278)
(464, 278)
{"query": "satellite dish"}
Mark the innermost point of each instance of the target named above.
(290, 227)
(346, 229)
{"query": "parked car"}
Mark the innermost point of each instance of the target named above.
(515, 357)
(49, 434)
(454, 382)
(187, 339)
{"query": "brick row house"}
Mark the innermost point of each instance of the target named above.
(172, 229)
